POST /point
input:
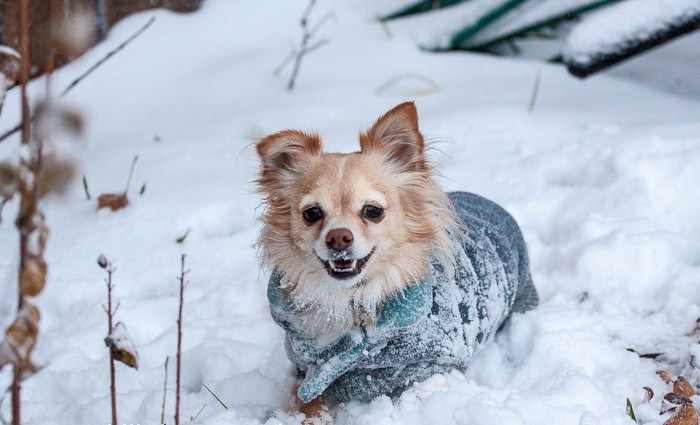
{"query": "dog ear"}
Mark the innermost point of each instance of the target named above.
(282, 157)
(396, 135)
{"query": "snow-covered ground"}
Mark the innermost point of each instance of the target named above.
(602, 175)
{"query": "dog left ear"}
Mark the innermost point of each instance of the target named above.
(396, 135)
(282, 156)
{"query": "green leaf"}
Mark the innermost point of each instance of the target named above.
(532, 27)
(85, 187)
(420, 7)
(630, 411)
(483, 22)
(182, 238)
(217, 398)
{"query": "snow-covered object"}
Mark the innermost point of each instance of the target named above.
(530, 15)
(437, 30)
(121, 346)
(433, 326)
(625, 29)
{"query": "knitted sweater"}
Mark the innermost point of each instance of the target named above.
(432, 326)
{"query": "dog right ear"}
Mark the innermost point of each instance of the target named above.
(282, 157)
(396, 136)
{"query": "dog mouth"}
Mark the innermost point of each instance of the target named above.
(343, 267)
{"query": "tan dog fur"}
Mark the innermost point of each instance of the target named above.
(390, 172)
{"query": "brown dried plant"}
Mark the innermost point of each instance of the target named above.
(178, 358)
(37, 172)
(308, 33)
(117, 201)
(678, 402)
(121, 349)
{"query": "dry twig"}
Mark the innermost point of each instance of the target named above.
(181, 278)
(305, 48)
(165, 390)
(28, 198)
(105, 264)
(35, 174)
(85, 74)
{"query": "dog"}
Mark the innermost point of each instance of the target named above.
(380, 278)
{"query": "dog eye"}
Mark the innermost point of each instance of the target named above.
(312, 215)
(373, 213)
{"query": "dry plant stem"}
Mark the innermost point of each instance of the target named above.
(27, 204)
(194, 418)
(306, 37)
(179, 339)
(433, 86)
(80, 78)
(165, 389)
(16, 396)
(131, 173)
(107, 56)
(112, 388)
(535, 91)
(110, 314)
(24, 66)
(215, 396)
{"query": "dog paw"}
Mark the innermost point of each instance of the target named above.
(315, 412)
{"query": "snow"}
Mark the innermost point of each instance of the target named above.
(436, 30)
(601, 176)
(669, 67)
(630, 22)
(528, 14)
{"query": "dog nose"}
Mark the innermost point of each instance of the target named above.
(339, 239)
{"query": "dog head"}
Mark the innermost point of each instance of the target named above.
(366, 220)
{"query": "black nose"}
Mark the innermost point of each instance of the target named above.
(339, 239)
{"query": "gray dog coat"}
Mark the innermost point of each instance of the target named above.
(433, 326)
